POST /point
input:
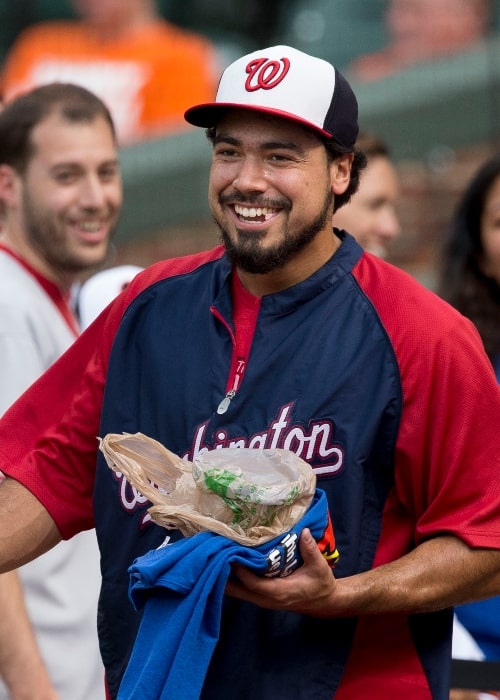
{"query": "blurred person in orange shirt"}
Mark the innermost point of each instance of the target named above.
(147, 70)
(424, 30)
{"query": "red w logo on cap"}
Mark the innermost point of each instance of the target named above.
(265, 73)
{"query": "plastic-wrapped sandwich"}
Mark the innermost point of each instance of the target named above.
(248, 495)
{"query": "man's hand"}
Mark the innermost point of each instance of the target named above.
(306, 590)
(439, 573)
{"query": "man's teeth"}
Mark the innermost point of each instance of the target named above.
(253, 212)
(90, 226)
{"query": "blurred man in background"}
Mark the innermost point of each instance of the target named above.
(61, 187)
(371, 214)
(424, 30)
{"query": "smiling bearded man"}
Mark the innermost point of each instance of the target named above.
(289, 336)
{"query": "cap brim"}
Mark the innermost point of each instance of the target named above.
(210, 113)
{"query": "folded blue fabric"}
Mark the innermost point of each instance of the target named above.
(181, 587)
(480, 619)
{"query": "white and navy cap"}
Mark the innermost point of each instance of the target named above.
(288, 83)
(100, 289)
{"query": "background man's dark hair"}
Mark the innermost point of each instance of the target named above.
(358, 164)
(20, 116)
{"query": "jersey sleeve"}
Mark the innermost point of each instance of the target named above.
(447, 455)
(48, 437)
(449, 442)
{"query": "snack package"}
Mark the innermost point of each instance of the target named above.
(248, 495)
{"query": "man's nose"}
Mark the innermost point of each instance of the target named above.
(388, 224)
(250, 176)
(92, 192)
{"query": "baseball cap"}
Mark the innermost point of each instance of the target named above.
(101, 288)
(288, 83)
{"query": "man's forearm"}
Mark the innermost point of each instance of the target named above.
(438, 574)
(21, 665)
(26, 528)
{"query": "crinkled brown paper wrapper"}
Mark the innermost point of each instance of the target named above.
(181, 502)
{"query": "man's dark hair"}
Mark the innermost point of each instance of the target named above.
(334, 151)
(359, 161)
(20, 116)
(367, 146)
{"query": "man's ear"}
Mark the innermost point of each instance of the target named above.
(9, 185)
(340, 173)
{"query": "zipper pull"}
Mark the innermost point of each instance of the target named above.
(224, 404)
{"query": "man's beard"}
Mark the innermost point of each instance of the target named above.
(51, 243)
(247, 254)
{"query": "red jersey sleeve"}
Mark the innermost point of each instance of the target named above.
(48, 438)
(447, 457)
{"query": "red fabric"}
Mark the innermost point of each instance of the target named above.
(439, 429)
(406, 680)
(62, 402)
(246, 308)
(441, 439)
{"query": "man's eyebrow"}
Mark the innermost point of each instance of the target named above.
(112, 161)
(268, 145)
(76, 164)
(222, 138)
(283, 145)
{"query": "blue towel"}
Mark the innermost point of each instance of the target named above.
(480, 619)
(181, 587)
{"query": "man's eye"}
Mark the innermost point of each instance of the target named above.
(64, 176)
(226, 152)
(108, 174)
(280, 157)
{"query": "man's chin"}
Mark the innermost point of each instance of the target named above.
(81, 263)
(377, 249)
(253, 262)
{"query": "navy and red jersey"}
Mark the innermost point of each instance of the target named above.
(382, 387)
